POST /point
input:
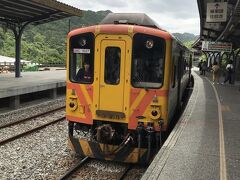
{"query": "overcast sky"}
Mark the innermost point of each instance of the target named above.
(173, 15)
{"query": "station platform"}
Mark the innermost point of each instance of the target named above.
(205, 143)
(11, 88)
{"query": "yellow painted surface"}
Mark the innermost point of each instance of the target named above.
(85, 147)
(112, 97)
(80, 108)
(109, 151)
(117, 97)
(133, 157)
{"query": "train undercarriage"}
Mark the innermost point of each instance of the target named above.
(115, 142)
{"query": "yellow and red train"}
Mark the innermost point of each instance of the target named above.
(125, 80)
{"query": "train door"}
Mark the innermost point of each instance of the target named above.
(112, 73)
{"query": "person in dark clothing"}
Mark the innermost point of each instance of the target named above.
(84, 74)
(229, 69)
(200, 66)
(204, 67)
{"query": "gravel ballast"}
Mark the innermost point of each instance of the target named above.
(42, 155)
(32, 110)
(45, 154)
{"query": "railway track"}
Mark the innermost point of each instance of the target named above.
(31, 130)
(29, 118)
(72, 171)
(123, 174)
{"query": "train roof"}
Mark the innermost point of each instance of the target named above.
(139, 19)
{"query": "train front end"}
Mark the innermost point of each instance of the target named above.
(119, 109)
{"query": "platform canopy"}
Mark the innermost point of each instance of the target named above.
(219, 21)
(17, 14)
(35, 11)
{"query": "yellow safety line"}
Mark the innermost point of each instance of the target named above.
(223, 170)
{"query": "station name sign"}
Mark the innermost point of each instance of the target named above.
(217, 12)
(216, 46)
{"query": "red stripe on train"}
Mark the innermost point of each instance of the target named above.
(83, 101)
(142, 106)
(134, 94)
(77, 119)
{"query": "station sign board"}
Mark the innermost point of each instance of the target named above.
(216, 46)
(217, 12)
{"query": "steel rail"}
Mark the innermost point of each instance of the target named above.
(30, 131)
(76, 167)
(124, 173)
(72, 170)
(29, 118)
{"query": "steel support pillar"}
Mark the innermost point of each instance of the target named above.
(14, 102)
(18, 31)
(53, 93)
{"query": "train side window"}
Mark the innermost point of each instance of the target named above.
(185, 62)
(147, 61)
(112, 65)
(81, 58)
(173, 76)
(180, 66)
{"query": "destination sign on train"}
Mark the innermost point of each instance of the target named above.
(81, 51)
(216, 46)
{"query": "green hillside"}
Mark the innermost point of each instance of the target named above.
(47, 43)
(186, 38)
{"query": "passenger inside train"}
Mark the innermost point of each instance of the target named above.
(84, 74)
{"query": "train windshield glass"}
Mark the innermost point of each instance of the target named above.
(81, 58)
(112, 65)
(147, 61)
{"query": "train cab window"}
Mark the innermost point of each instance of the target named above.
(81, 58)
(148, 61)
(112, 65)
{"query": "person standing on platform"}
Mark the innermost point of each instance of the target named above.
(204, 67)
(200, 67)
(229, 69)
(215, 71)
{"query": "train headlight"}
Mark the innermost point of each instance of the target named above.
(83, 42)
(73, 104)
(149, 43)
(155, 113)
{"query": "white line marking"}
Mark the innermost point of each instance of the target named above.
(223, 170)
